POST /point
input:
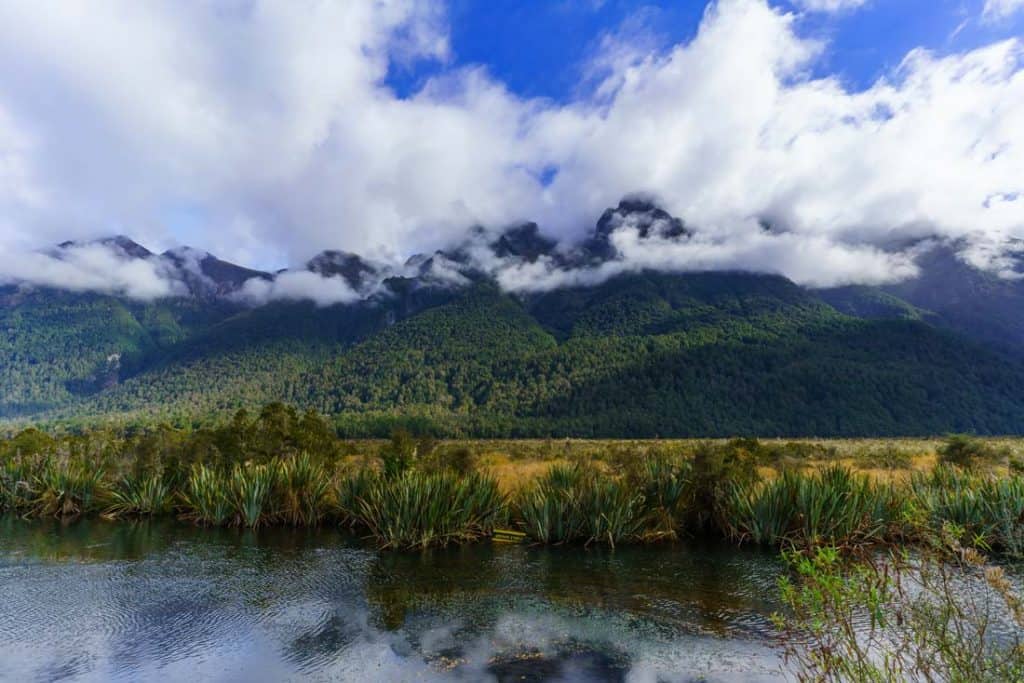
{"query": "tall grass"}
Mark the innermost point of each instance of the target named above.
(142, 496)
(417, 510)
(206, 499)
(304, 489)
(831, 507)
(989, 510)
(67, 488)
(251, 493)
(577, 504)
(438, 497)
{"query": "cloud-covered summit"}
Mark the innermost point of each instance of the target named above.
(636, 235)
(272, 127)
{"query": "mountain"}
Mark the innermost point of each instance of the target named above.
(438, 345)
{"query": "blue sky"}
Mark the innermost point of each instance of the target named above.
(539, 48)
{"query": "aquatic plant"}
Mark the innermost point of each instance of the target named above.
(578, 504)
(66, 488)
(418, 510)
(251, 492)
(303, 493)
(206, 498)
(833, 506)
(140, 496)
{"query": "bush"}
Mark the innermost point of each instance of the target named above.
(888, 457)
(578, 504)
(399, 454)
(900, 618)
(969, 453)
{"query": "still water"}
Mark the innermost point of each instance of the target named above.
(98, 601)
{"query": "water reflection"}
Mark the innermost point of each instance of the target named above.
(147, 601)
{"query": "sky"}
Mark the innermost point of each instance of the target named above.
(268, 130)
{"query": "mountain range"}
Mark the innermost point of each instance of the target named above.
(441, 344)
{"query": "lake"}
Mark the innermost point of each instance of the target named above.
(97, 601)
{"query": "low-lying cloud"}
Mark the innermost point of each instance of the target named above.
(272, 123)
(92, 267)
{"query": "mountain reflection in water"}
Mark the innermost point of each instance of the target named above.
(164, 601)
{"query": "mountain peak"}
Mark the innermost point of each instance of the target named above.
(125, 245)
(351, 267)
(636, 212)
(523, 241)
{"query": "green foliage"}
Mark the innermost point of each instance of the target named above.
(67, 488)
(418, 510)
(831, 507)
(702, 354)
(399, 454)
(970, 453)
(142, 496)
(898, 617)
(251, 493)
(988, 510)
(207, 496)
(716, 471)
(577, 504)
(304, 491)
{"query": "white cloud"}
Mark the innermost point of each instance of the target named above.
(272, 119)
(831, 5)
(297, 286)
(997, 10)
(91, 267)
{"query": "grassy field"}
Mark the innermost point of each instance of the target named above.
(517, 462)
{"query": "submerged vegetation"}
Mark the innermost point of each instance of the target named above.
(282, 467)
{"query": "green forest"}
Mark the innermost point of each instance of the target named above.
(642, 355)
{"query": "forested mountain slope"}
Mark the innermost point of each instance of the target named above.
(639, 354)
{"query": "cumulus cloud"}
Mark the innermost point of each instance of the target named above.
(273, 121)
(996, 10)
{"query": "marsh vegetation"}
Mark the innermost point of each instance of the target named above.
(876, 534)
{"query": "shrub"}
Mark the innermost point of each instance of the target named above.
(252, 489)
(399, 454)
(898, 617)
(716, 470)
(887, 457)
(970, 453)
(67, 488)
